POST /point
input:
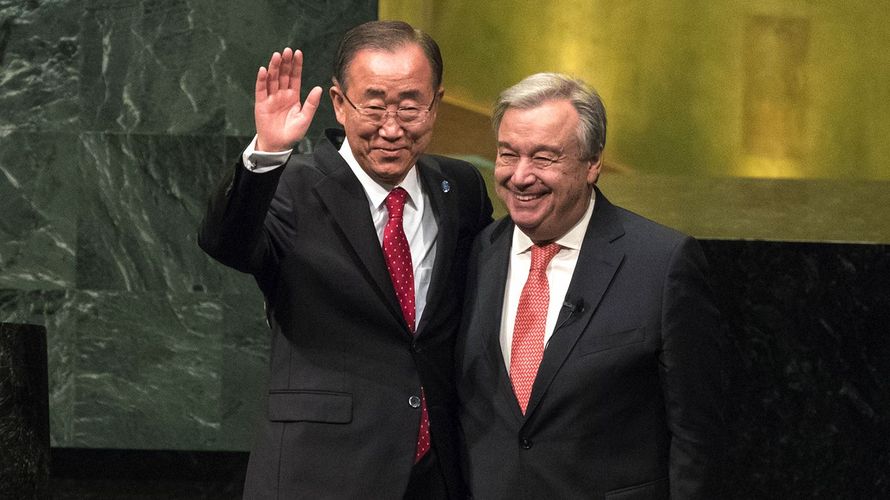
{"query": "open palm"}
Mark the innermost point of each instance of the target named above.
(281, 119)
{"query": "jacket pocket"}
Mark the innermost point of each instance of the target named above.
(589, 344)
(653, 490)
(310, 406)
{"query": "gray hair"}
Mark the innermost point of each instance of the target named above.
(534, 90)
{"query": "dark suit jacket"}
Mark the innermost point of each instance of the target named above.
(626, 400)
(343, 362)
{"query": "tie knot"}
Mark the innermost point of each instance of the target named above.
(395, 202)
(541, 255)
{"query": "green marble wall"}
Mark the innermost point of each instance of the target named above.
(117, 117)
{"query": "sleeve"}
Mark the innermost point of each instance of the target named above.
(691, 376)
(232, 230)
(485, 207)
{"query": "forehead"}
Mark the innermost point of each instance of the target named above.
(405, 68)
(551, 125)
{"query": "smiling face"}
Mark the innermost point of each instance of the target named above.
(392, 79)
(544, 202)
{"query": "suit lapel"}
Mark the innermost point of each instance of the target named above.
(444, 206)
(494, 263)
(597, 264)
(347, 204)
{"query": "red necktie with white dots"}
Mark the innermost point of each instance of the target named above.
(398, 260)
(531, 320)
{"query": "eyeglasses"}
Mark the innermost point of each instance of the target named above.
(405, 115)
(540, 161)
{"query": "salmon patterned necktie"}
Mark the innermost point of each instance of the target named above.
(398, 260)
(531, 320)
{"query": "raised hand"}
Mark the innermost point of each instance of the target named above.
(281, 120)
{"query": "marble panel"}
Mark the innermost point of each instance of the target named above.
(152, 66)
(808, 353)
(39, 202)
(144, 198)
(148, 371)
(40, 63)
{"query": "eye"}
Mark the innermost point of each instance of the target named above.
(409, 113)
(508, 158)
(374, 113)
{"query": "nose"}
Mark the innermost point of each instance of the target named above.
(523, 173)
(391, 128)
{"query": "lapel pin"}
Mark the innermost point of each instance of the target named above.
(446, 186)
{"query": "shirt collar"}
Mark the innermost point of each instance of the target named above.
(571, 240)
(377, 192)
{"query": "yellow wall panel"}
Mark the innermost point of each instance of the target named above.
(771, 89)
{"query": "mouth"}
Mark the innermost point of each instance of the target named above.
(389, 154)
(527, 197)
(390, 149)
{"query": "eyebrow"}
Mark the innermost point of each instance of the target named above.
(408, 94)
(539, 148)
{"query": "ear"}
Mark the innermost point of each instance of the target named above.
(339, 104)
(437, 100)
(594, 167)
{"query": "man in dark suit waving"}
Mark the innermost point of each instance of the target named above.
(587, 359)
(358, 249)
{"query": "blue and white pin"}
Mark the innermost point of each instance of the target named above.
(446, 186)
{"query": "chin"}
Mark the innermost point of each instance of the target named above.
(391, 162)
(527, 226)
(389, 173)
(527, 216)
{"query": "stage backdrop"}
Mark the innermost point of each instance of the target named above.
(117, 117)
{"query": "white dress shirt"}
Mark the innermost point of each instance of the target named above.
(559, 276)
(418, 220)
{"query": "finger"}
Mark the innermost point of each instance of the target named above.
(287, 62)
(261, 90)
(311, 103)
(296, 75)
(272, 80)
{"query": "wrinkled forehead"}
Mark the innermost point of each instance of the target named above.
(551, 125)
(385, 67)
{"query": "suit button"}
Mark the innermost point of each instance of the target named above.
(416, 347)
(525, 443)
(414, 401)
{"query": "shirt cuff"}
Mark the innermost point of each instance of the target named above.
(263, 161)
